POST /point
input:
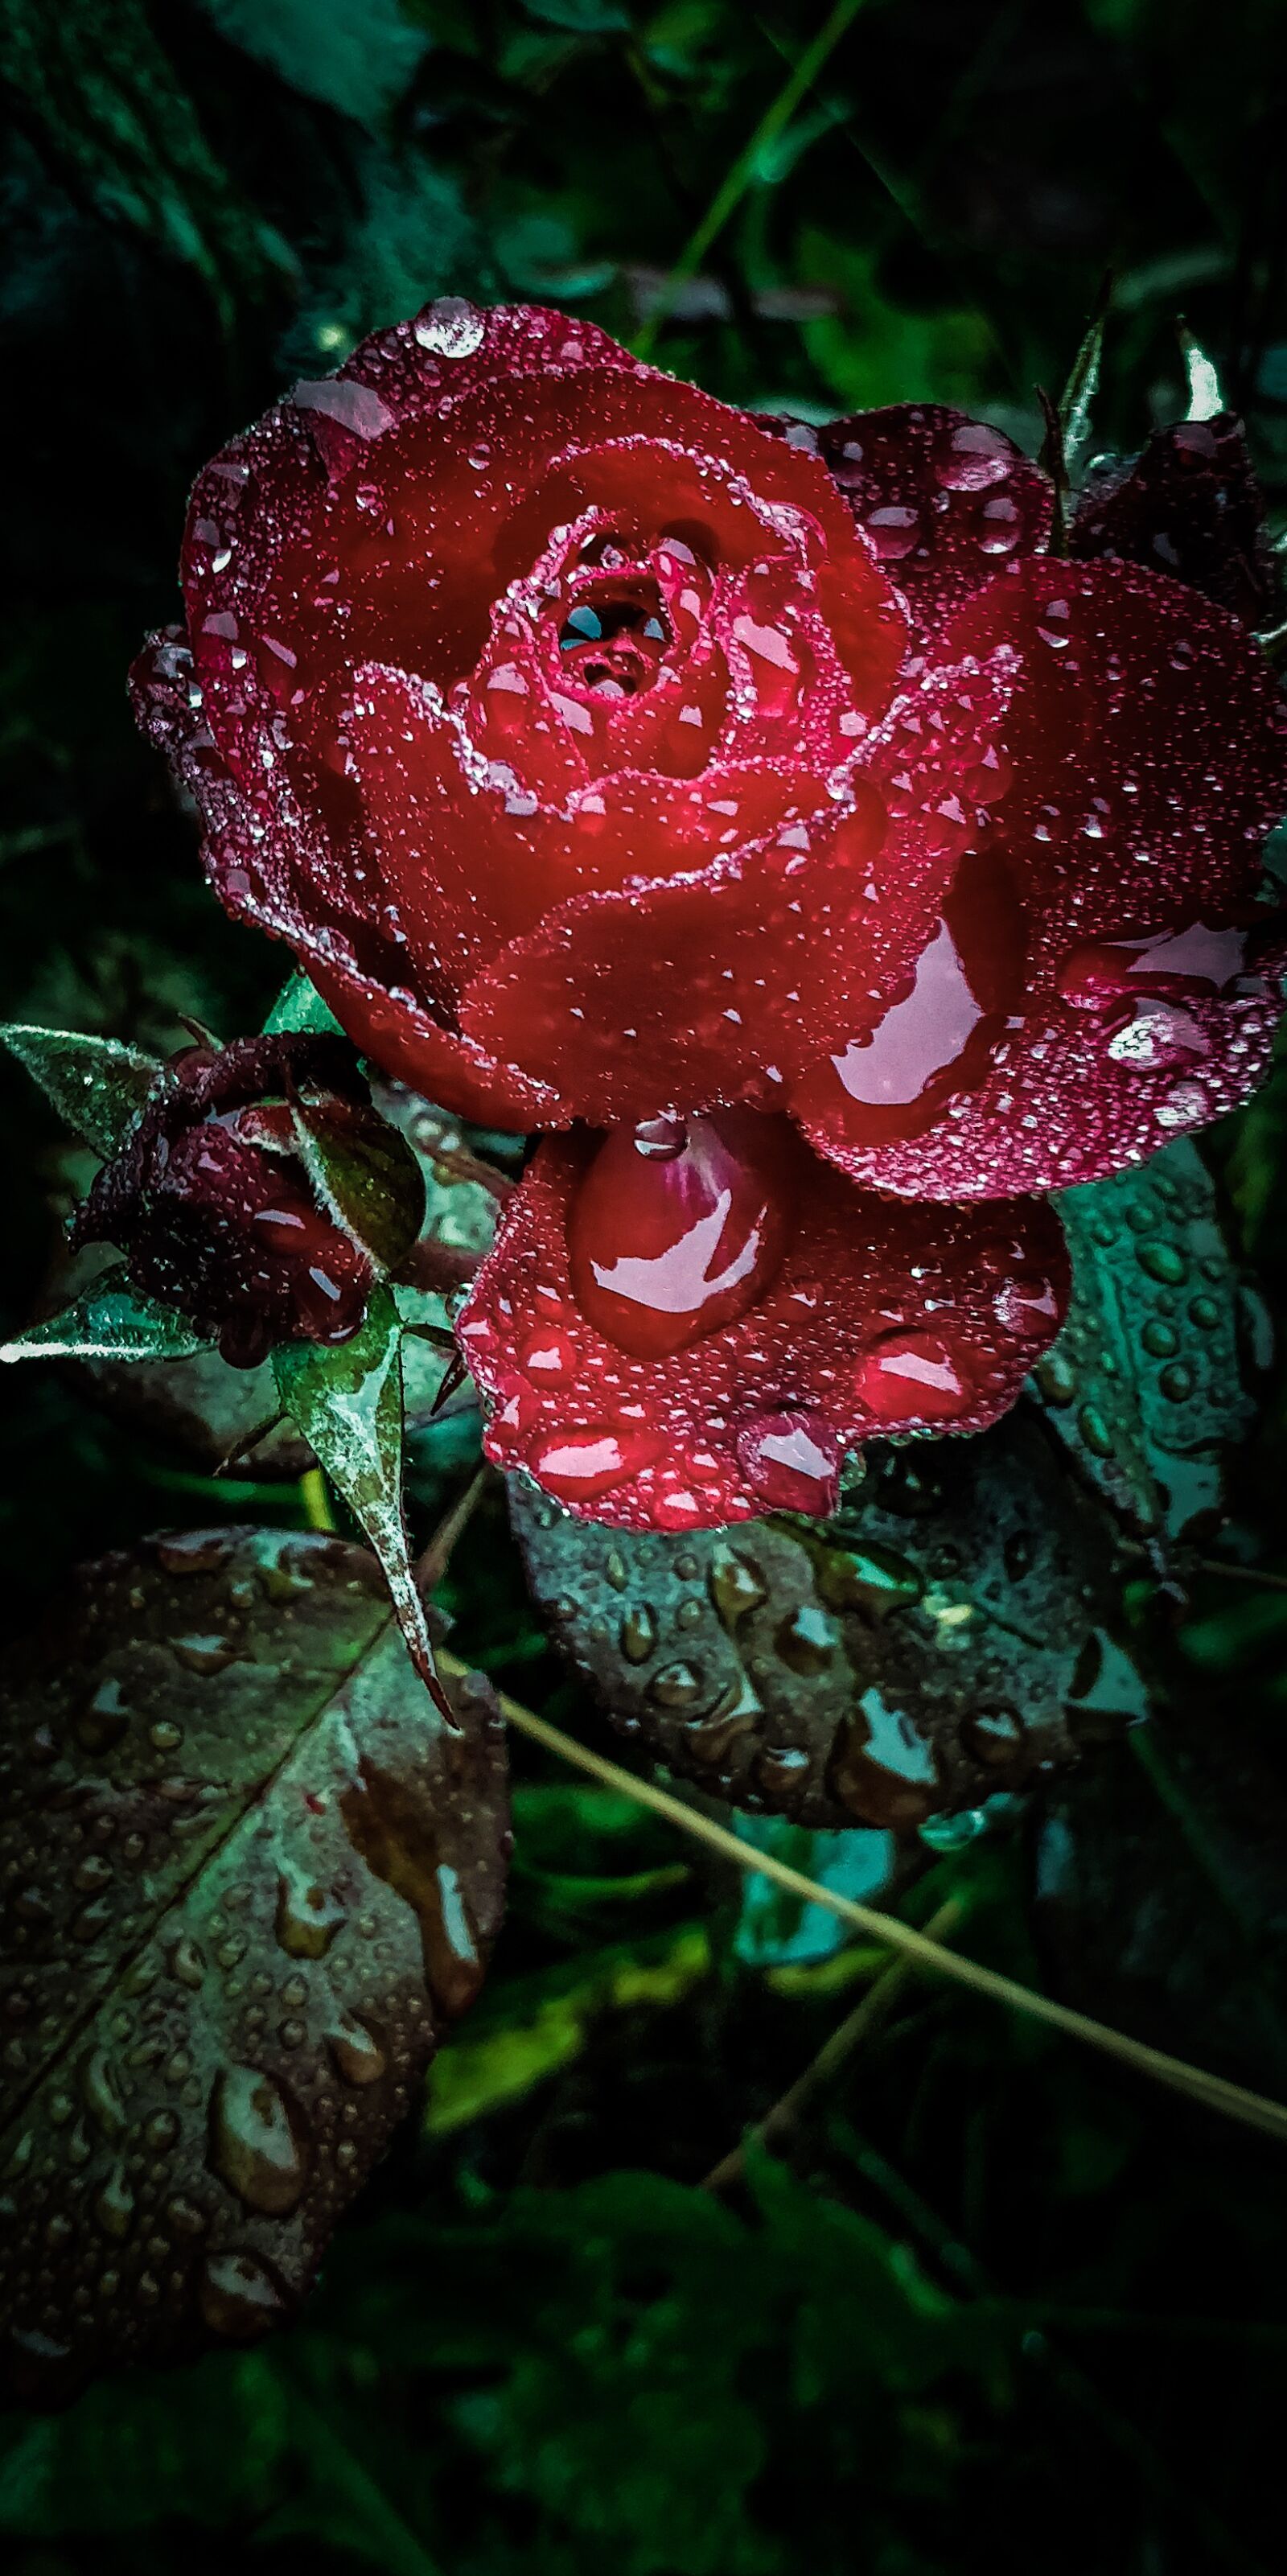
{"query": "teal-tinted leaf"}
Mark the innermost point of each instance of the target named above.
(366, 1174)
(97, 1085)
(356, 55)
(775, 1927)
(581, 17)
(111, 1321)
(236, 1707)
(1078, 396)
(929, 1647)
(1150, 1382)
(299, 1005)
(348, 1404)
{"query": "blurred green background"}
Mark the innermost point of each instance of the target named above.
(997, 2307)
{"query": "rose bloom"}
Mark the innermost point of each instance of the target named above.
(768, 817)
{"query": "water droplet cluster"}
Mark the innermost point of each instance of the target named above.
(924, 1649)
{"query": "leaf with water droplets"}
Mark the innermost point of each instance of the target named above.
(1151, 1382)
(96, 1085)
(365, 1174)
(943, 1639)
(249, 1877)
(111, 1321)
(347, 1402)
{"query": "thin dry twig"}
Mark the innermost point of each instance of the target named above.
(1215, 2092)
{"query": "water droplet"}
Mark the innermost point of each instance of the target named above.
(450, 328)
(103, 1721)
(638, 1633)
(1163, 1261)
(790, 1461)
(258, 2141)
(579, 1466)
(735, 1584)
(359, 2056)
(994, 1735)
(1177, 1381)
(677, 1686)
(114, 2204)
(806, 1641)
(308, 1917)
(907, 1376)
(971, 457)
(237, 2297)
(664, 1249)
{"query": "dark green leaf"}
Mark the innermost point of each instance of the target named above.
(1160, 1893)
(250, 1874)
(934, 1645)
(96, 1085)
(355, 55)
(1148, 1383)
(347, 1402)
(111, 1321)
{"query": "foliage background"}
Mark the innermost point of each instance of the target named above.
(997, 2305)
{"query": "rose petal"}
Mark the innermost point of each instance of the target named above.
(1149, 745)
(720, 986)
(941, 499)
(883, 1319)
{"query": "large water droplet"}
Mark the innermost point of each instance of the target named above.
(258, 2141)
(359, 2056)
(308, 1916)
(450, 328)
(736, 1586)
(666, 1248)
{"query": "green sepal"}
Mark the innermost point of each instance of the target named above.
(97, 1085)
(366, 1176)
(109, 1322)
(347, 1402)
(299, 1007)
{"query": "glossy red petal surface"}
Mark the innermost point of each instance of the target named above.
(1149, 746)
(378, 515)
(679, 994)
(942, 499)
(881, 1319)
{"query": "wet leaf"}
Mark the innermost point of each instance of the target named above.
(1159, 1890)
(544, 2022)
(1150, 1382)
(111, 1321)
(945, 1639)
(249, 1876)
(96, 1085)
(347, 1402)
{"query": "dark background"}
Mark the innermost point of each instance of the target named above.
(1000, 2308)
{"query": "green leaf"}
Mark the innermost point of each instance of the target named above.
(1150, 1381)
(97, 1085)
(111, 1321)
(775, 1927)
(932, 1645)
(300, 1006)
(359, 56)
(274, 1814)
(366, 1174)
(581, 17)
(347, 1402)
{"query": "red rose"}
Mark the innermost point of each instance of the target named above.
(614, 760)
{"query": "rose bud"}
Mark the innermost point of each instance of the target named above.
(260, 1193)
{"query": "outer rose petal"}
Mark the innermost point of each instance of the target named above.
(268, 864)
(941, 498)
(1149, 743)
(721, 984)
(883, 1319)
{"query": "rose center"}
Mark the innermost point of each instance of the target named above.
(612, 642)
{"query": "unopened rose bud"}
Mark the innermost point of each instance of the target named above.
(212, 1201)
